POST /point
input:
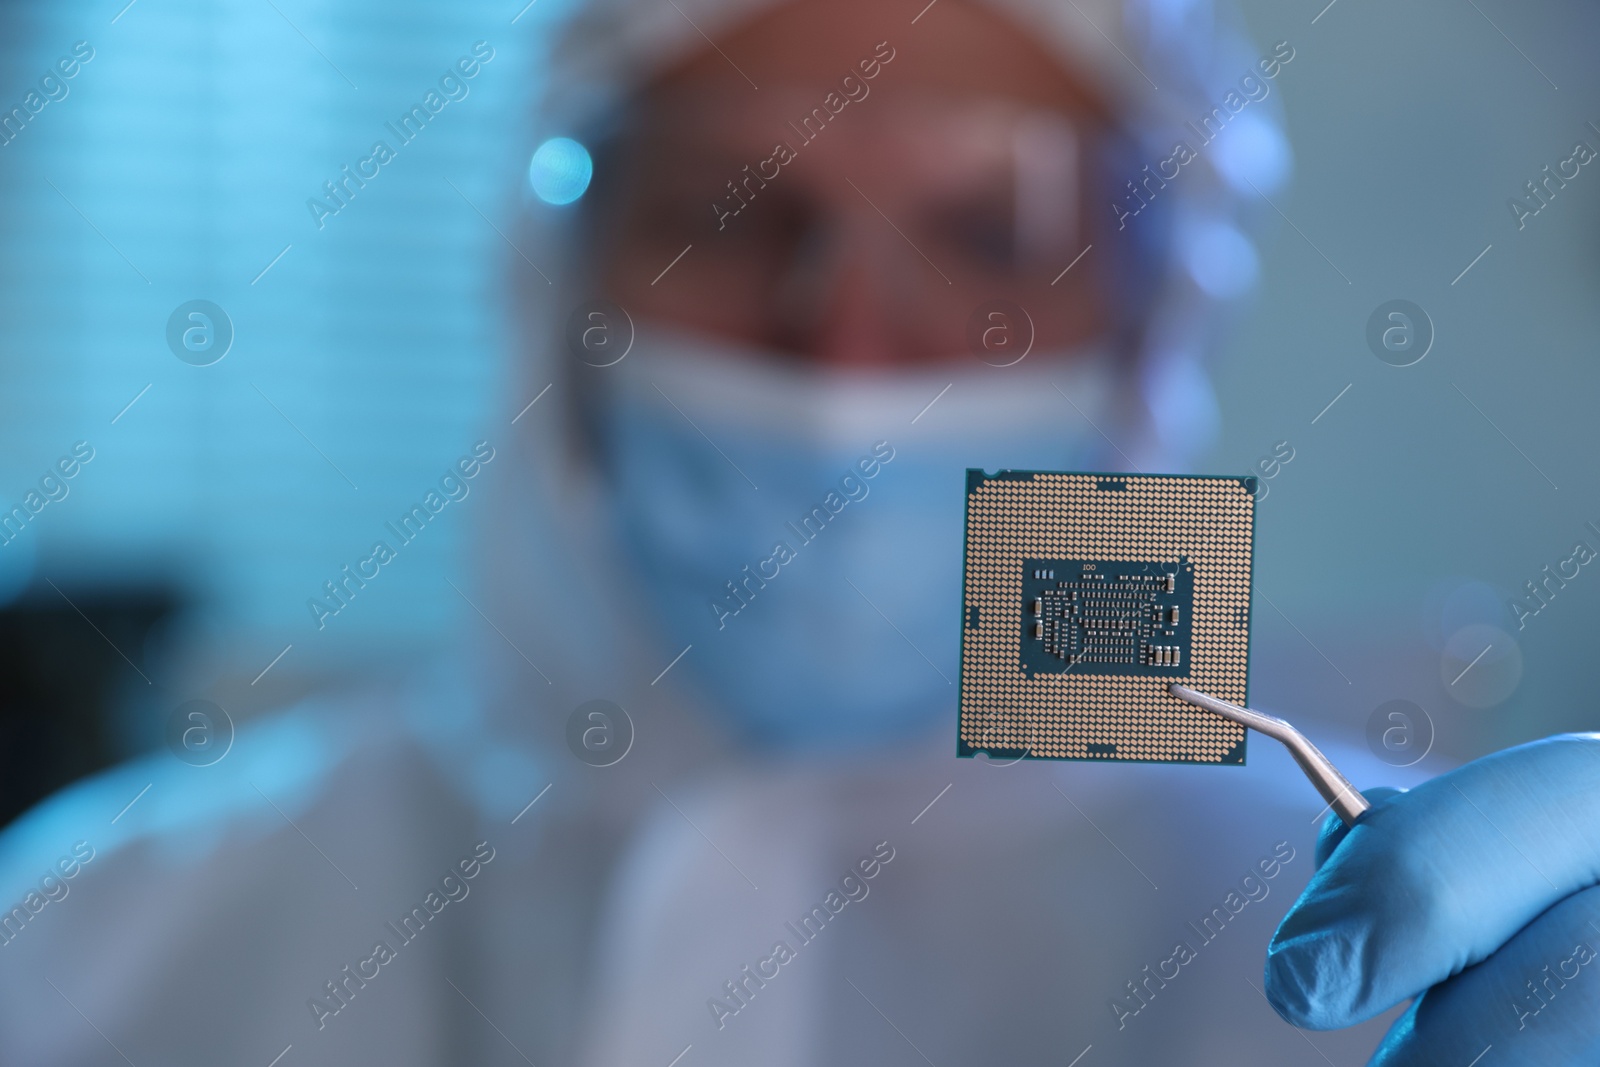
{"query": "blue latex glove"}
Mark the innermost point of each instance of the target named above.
(1475, 893)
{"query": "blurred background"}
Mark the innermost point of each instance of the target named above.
(369, 351)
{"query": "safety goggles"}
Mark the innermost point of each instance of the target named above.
(788, 218)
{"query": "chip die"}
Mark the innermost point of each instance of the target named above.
(1085, 596)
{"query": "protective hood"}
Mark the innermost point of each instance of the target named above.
(558, 574)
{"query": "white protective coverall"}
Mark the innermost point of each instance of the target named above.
(535, 909)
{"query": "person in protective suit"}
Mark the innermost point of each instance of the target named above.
(689, 797)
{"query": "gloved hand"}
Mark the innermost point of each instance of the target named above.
(1475, 893)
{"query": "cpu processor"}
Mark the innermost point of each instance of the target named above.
(1085, 596)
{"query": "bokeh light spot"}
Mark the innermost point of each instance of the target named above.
(560, 170)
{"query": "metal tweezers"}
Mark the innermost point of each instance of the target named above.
(1335, 788)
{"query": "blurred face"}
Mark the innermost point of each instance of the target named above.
(884, 183)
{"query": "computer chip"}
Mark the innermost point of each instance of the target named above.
(1085, 596)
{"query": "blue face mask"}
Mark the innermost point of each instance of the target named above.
(803, 531)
